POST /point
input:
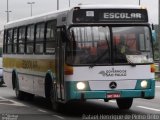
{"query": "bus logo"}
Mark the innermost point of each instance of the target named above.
(113, 85)
(103, 73)
(113, 72)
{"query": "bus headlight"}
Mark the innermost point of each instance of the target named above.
(144, 84)
(81, 85)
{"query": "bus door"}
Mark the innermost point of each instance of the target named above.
(60, 64)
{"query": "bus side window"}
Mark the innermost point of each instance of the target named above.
(30, 39)
(50, 37)
(21, 39)
(39, 45)
(9, 40)
(5, 42)
(15, 40)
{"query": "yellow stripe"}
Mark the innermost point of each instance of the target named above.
(38, 65)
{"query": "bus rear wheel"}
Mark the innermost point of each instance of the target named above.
(125, 103)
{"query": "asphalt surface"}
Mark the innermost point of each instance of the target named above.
(39, 108)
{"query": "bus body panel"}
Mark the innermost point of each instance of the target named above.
(27, 83)
(8, 78)
(73, 93)
(98, 82)
(31, 71)
(104, 73)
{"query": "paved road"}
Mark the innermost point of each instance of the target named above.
(14, 109)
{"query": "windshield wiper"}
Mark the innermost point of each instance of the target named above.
(105, 52)
(132, 64)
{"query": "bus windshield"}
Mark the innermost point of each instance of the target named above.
(132, 44)
(104, 45)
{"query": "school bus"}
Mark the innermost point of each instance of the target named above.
(86, 52)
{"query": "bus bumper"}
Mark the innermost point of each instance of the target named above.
(73, 94)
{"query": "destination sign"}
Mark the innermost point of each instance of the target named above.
(110, 15)
(122, 15)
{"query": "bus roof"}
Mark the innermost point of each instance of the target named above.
(35, 19)
(105, 6)
(54, 14)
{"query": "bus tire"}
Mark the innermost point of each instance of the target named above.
(106, 100)
(56, 106)
(125, 103)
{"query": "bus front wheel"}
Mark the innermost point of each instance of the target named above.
(124, 103)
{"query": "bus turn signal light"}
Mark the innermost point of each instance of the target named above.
(153, 69)
(68, 70)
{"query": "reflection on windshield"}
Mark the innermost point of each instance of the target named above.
(87, 44)
(93, 45)
(130, 43)
(138, 59)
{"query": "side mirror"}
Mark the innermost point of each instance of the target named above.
(154, 35)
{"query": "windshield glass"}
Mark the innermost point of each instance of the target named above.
(87, 44)
(99, 45)
(132, 45)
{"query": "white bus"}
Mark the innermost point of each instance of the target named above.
(86, 52)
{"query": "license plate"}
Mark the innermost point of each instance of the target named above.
(113, 95)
